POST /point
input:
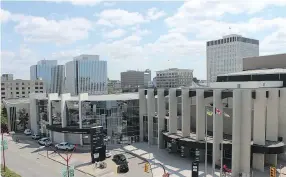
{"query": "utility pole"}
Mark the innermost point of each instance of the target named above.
(3, 151)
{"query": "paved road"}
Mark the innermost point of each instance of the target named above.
(24, 159)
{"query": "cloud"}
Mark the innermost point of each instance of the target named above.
(79, 2)
(119, 17)
(40, 29)
(4, 15)
(109, 4)
(154, 14)
(115, 33)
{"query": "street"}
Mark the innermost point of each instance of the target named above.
(21, 158)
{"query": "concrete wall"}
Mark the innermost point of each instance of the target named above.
(267, 62)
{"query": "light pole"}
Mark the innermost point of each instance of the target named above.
(206, 144)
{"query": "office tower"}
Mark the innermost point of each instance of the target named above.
(58, 78)
(43, 70)
(225, 55)
(6, 77)
(20, 88)
(173, 78)
(86, 74)
(132, 79)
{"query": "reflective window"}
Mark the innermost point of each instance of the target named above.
(56, 112)
(72, 111)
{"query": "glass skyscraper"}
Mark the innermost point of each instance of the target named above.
(86, 74)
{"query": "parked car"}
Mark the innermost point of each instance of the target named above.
(45, 141)
(65, 146)
(36, 136)
(108, 154)
(122, 163)
(28, 132)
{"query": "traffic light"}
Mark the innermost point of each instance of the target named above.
(272, 172)
(146, 168)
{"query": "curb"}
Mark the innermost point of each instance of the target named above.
(65, 164)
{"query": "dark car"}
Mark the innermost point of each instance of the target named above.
(122, 163)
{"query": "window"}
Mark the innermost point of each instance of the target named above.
(17, 88)
(2, 93)
(28, 87)
(2, 88)
(41, 91)
(23, 88)
(2, 84)
(17, 83)
(23, 83)
(36, 91)
(41, 87)
(17, 92)
(23, 96)
(11, 88)
(36, 83)
(23, 92)
(41, 83)
(36, 87)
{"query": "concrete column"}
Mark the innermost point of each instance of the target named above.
(245, 138)
(272, 121)
(64, 98)
(151, 113)
(82, 97)
(142, 110)
(217, 126)
(173, 111)
(200, 115)
(33, 115)
(161, 116)
(259, 127)
(186, 112)
(282, 114)
(236, 131)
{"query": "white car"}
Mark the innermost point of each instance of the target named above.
(36, 136)
(108, 154)
(45, 142)
(27, 132)
(65, 146)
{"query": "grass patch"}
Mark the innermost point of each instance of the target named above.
(8, 172)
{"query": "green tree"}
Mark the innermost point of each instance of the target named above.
(195, 80)
(4, 120)
(23, 118)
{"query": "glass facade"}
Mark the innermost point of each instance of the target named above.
(120, 119)
(42, 114)
(56, 112)
(72, 111)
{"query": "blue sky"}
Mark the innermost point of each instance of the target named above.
(133, 35)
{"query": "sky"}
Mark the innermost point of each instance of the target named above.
(133, 35)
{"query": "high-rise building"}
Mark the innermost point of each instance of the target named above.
(86, 74)
(135, 79)
(43, 70)
(58, 78)
(6, 77)
(21, 88)
(225, 55)
(173, 78)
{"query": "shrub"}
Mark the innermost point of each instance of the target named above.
(8, 173)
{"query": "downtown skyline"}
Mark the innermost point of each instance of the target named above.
(133, 35)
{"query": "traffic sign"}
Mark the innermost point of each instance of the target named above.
(4, 144)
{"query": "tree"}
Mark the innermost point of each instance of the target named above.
(195, 80)
(23, 118)
(4, 120)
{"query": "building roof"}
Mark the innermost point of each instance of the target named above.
(257, 72)
(16, 101)
(110, 97)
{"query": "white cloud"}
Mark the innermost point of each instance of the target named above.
(79, 2)
(115, 33)
(109, 4)
(119, 17)
(154, 14)
(4, 15)
(40, 29)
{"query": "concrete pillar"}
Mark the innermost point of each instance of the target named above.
(186, 112)
(245, 138)
(33, 115)
(151, 113)
(236, 131)
(64, 98)
(259, 127)
(82, 97)
(173, 111)
(161, 116)
(142, 110)
(282, 114)
(217, 126)
(272, 121)
(200, 115)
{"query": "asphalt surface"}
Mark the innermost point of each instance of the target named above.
(23, 158)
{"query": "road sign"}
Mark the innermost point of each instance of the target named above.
(71, 172)
(272, 171)
(4, 144)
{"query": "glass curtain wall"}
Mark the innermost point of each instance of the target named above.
(42, 114)
(72, 111)
(120, 119)
(56, 112)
